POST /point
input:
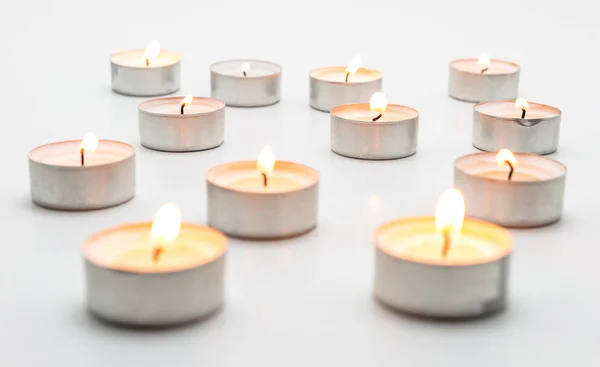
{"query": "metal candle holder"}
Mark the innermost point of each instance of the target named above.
(439, 290)
(142, 298)
(260, 86)
(144, 81)
(498, 125)
(467, 83)
(489, 195)
(163, 127)
(59, 182)
(257, 213)
(353, 135)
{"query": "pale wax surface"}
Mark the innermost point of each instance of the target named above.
(130, 249)
(68, 153)
(338, 74)
(495, 67)
(137, 58)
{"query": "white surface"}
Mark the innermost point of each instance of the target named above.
(305, 301)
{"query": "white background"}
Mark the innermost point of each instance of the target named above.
(305, 301)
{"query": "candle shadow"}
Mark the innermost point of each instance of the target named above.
(438, 320)
(275, 241)
(247, 107)
(373, 160)
(25, 202)
(117, 326)
(177, 151)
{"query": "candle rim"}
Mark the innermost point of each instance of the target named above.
(314, 174)
(562, 174)
(557, 111)
(337, 109)
(129, 147)
(343, 69)
(468, 222)
(471, 59)
(89, 242)
(178, 99)
(274, 73)
(175, 57)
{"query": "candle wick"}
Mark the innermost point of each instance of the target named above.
(524, 112)
(82, 157)
(264, 176)
(156, 252)
(378, 117)
(446, 246)
(347, 75)
(182, 106)
(147, 62)
(512, 169)
(484, 70)
(244, 72)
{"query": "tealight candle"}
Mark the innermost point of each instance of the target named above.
(520, 190)
(155, 274)
(339, 85)
(82, 174)
(519, 125)
(374, 130)
(150, 72)
(483, 79)
(262, 199)
(442, 267)
(246, 83)
(178, 124)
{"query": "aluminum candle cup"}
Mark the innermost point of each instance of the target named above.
(131, 76)
(58, 181)
(246, 83)
(240, 206)
(328, 88)
(125, 285)
(533, 197)
(498, 125)
(355, 135)
(200, 127)
(499, 81)
(411, 275)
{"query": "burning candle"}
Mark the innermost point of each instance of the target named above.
(82, 174)
(155, 274)
(178, 124)
(519, 125)
(483, 79)
(246, 83)
(512, 189)
(443, 267)
(374, 130)
(335, 86)
(149, 72)
(263, 199)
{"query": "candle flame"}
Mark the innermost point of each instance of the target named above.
(504, 156)
(187, 100)
(152, 51)
(353, 65)
(450, 212)
(246, 67)
(483, 60)
(266, 160)
(166, 225)
(521, 103)
(378, 102)
(89, 143)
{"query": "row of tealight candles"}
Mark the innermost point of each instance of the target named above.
(166, 272)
